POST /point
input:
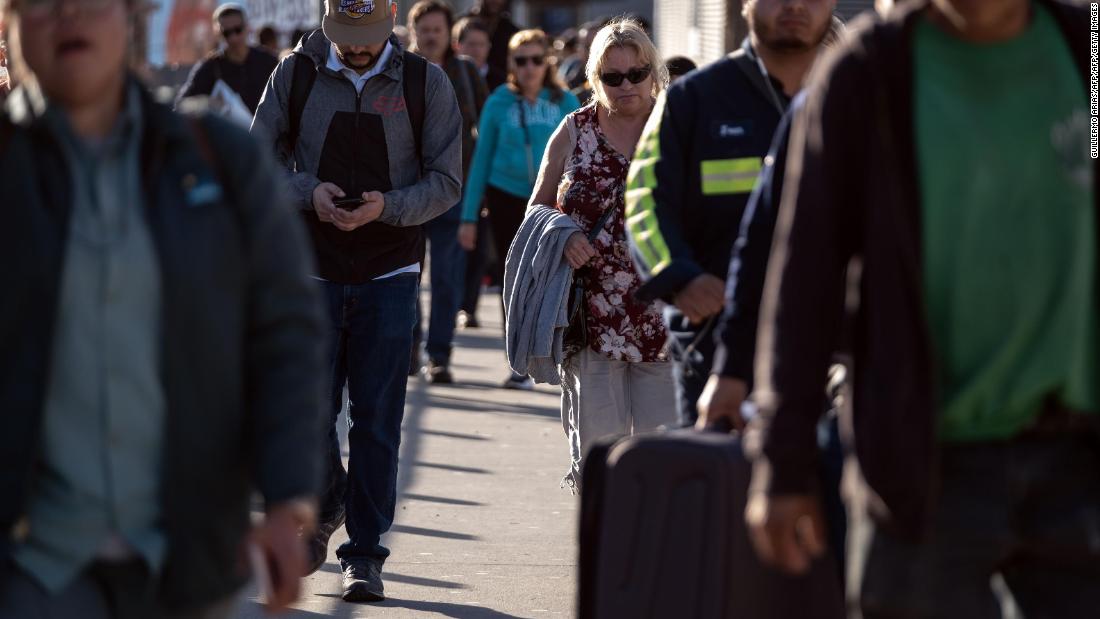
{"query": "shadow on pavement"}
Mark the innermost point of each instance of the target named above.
(459, 611)
(387, 576)
(443, 500)
(422, 582)
(488, 341)
(400, 528)
(255, 610)
(448, 467)
(457, 435)
(455, 403)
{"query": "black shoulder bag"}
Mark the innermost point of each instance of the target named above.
(576, 334)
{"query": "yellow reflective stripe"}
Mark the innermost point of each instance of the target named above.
(645, 232)
(641, 216)
(729, 176)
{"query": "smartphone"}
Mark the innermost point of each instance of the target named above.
(348, 204)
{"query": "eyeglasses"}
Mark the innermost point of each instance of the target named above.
(636, 76)
(521, 61)
(232, 32)
(45, 8)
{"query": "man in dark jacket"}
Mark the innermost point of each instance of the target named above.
(365, 176)
(696, 165)
(471, 38)
(242, 67)
(494, 14)
(975, 333)
(431, 22)
(161, 353)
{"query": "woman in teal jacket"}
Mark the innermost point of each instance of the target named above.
(516, 123)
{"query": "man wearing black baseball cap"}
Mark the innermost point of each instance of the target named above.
(346, 113)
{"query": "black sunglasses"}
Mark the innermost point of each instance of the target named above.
(232, 32)
(636, 76)
(521, 61)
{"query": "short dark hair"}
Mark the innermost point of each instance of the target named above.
(466, 25)
(427, 7)
(679, 65)
(268, 36)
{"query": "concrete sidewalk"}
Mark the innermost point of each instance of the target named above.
(483, 530)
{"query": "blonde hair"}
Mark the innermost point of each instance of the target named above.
(624, 32)
(536, 37)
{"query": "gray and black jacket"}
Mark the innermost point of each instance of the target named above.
(365, 142)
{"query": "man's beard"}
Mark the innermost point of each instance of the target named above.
(784, 42)
(358, 61)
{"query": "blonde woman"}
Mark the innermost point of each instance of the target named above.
(516, 124)
(621, 383)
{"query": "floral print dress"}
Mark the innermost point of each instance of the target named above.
(619, 326)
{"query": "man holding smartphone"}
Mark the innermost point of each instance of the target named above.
(342, 114)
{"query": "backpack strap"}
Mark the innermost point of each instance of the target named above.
(415, 81)
(305, 73)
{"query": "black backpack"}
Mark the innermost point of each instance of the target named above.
(414, 81)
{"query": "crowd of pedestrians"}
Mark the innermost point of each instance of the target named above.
(888, 228)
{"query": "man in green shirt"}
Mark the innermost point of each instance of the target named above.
(946, 150)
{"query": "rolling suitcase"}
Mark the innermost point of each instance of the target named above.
(662, 536)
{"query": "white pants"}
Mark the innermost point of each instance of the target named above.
(601, 397)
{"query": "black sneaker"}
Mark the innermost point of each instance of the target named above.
(318, 545)
(363, 581)
(439, 374)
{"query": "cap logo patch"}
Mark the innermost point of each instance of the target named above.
(356, 8)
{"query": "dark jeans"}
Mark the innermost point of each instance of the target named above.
(477, 263)
(448, 263)
(1027, 509)
(506, 212)
(371, 328)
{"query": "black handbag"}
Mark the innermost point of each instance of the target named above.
(576, 334)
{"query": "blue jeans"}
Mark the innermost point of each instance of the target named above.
(448, 268)
(370, 327)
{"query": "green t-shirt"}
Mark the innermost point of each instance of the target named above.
(1009, 227)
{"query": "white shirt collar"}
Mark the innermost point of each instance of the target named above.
(359, 81)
